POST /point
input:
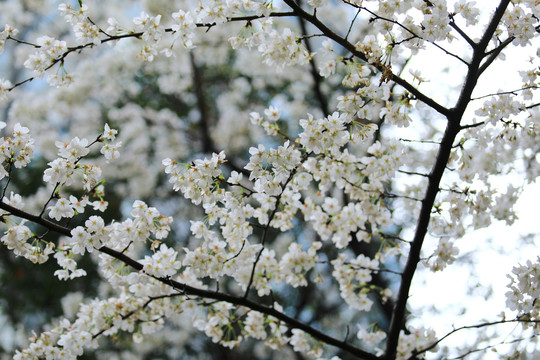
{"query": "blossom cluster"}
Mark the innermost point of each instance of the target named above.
(5, 34)
(218, 320)
(499, 108)
(416, 340)
(147, 221)
(328, 134)
(49, 52)
(16, 150)
(151, 31)
(279, 49)
(183, 26)
(67, 165)
(84, 29)
(524, 292)
(444, 254)
(69, 340)
(353, 276)
(16, 239)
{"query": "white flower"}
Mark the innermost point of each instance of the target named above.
(109, 134)
(61, 209)
(272, 114)
(60, 171)
(110, 151)
(299, 341)
(73, 151)
(5, 86)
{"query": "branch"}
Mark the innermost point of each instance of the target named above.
(463, 34)
(494, 53)
(204, 124)
(432, 190)
(519, 319)
(414, 35)
(137, 35)
(317, 79)
(509, 92)
(421, 141)
(351, 48)
(352, 23)
(463, 356)
(452, 129)
(413, 173)
(249, 18)
(270, 218)
(463, 127)
(203, 293)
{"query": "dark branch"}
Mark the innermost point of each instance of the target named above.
(452, 129)
(317, 80)
(494, 53)
(463, 34)
(519, 319)
(351, 48)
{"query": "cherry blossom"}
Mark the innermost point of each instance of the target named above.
(252, 172)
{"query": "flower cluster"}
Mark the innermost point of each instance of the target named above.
(328, 56)
(152, 32)
(371, 48)
(65, 260)
(520, 24)
(353, 276)
(416, 340)
(16, 238)
(94, 234)
(372, 338)
(183, 26)
(435, 23)
(296, 263)
(228, 326)
(467, 10)
(16, 150)
(110, 150)
(61, 172)
(444, 255)
(84, 29)
(195, 181)
(396, 114)
(324, 135)
(8, 31)
(283, 49)
(163, 263)
(499, 108)
(69, 340)
(218, 11)
(525, 291)
(278, 49)
(5, 86)
(49, 52)
(268, 122)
